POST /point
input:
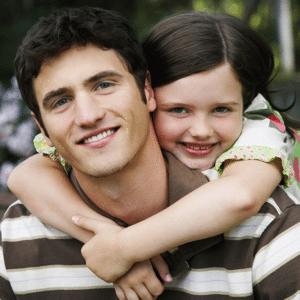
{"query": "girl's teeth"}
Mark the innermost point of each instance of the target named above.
(199, 148)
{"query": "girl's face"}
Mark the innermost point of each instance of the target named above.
(199, 117)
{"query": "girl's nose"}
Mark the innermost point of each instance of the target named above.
(201, 128)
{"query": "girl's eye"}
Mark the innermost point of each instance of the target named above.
(178, 110)
(61, 102)
(104, 85)
(221, 109)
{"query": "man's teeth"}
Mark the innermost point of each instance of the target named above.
(99, 137)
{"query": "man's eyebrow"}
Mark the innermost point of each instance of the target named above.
(94, 78)
(102, 75)
(53, 94)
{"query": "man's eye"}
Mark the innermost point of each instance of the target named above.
(221, 109)
(61, 102)
(178, 110)
(104, 85)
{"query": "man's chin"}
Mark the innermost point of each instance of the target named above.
(99, 173)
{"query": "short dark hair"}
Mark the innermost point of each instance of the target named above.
(194, 42)
(65, 28)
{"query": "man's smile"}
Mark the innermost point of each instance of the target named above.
(99, 137)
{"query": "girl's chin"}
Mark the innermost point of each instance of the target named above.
(202, 166)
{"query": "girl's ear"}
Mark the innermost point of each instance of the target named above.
(149, 94)
(42, 131)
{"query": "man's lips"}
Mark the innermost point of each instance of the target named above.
(97, 136)
(198, 149)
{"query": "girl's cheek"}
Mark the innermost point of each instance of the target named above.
(163, 139)
(163, 130)
(160, 122)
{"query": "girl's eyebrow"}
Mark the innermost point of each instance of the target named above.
(228, 103)
(183, 103)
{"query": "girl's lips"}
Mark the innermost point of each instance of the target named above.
(198, 150)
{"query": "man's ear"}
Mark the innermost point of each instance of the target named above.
(42, 131)
(149, 94)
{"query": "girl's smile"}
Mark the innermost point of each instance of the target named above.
(198, 149)
(199, 117)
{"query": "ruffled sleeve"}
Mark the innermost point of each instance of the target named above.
(263, 138)
(42, 147)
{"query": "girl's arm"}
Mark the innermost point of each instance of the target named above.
(212, 209)
(45, 189)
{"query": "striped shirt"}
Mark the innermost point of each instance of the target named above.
(259, 259)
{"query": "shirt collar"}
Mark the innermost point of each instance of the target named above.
(181, 181)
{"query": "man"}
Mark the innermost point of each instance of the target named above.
(83, 87)
(86, 87)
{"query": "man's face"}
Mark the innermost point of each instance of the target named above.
(93, 110)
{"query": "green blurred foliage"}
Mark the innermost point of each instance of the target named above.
(262, 16)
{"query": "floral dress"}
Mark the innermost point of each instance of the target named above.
(42, 147)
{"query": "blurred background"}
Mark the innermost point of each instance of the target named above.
(277, 20)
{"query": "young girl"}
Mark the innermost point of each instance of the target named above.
(207, 72)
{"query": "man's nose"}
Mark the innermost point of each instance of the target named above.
(201, 128)
(88, 111)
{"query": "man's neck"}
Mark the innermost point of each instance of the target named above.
(135, 193)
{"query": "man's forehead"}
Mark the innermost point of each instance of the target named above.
(77, 63)
(79, 48)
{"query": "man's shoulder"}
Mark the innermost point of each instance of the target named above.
(280, 202)
(6, 199)
(278, 245)
(15, 210)
(19, 224)
(31, 250)
(278, 211)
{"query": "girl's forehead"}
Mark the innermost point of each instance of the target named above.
(218, 85)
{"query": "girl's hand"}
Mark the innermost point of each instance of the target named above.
(103, 254)
(141, 282)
